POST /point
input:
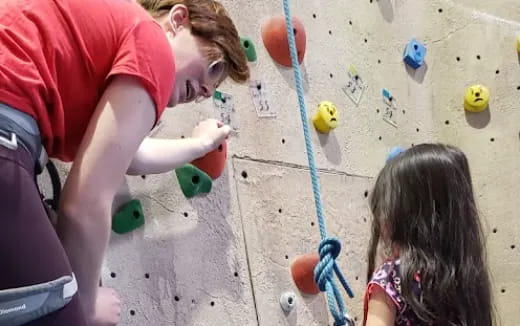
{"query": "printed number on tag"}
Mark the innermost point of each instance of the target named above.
(225, 108)
(259, 94)
(355, 86)
(390, 111)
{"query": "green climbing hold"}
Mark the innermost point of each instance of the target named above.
(128, 217)
(249, 48)
(193, 181)
(217, 95)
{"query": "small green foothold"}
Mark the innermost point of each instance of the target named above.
(217, 95)
(128, 217)
(249, 48)
(193, 181)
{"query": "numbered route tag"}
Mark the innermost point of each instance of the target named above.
(390, 111)
(225, 108)
(355, 86)
(259, 94)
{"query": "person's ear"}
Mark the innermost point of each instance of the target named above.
(179, 17)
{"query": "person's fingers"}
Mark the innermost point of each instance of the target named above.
(225, 129)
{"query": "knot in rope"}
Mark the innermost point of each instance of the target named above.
(323, 273)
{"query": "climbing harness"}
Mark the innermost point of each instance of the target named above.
(24, 304)
(329, 248)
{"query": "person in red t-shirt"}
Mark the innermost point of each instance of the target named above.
(87, 81)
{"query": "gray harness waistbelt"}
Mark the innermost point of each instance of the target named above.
(22, 305)
(17, 127)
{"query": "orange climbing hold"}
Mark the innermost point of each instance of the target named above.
(302, 270)
(214, 162)
(274, 35)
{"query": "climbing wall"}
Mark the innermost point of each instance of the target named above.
(224, 258)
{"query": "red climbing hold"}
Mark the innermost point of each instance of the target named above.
(274, 35)
(214, 162)
(302, 270)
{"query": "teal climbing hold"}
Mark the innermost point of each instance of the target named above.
(249, 48)
(128, 217)
(193, 181)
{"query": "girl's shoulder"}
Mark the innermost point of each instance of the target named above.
(388, 277)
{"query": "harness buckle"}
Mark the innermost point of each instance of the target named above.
(9, 143)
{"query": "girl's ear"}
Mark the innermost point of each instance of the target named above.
(179, 17)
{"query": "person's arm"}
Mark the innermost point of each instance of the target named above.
(381, 309)
(123, 117)
(157, 155)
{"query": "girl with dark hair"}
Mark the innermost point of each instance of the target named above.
(427, 227)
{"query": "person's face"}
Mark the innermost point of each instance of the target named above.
(195, 77)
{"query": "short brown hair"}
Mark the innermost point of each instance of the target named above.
(210, 21)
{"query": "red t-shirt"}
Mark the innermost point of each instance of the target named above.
(56, 57)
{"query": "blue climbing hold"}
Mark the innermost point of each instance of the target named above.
(414, 54)
(394, 152)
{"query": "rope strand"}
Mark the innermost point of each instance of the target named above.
(329, 248)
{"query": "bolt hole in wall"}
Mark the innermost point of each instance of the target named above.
(244, 174)
(283, 141)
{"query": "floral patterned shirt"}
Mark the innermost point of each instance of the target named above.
(388, 278)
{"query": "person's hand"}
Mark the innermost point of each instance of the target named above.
(211, 134)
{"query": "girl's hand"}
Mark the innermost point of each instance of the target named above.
(211, 134)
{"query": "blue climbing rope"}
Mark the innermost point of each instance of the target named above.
(329, 248)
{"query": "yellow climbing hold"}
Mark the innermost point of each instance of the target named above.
(326, 117)
(476, 98)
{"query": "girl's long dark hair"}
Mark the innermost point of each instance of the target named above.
(423, 205)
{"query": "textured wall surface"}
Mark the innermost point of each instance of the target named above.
(221, 259)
